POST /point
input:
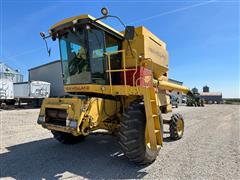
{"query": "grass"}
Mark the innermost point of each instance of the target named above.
(232, 101)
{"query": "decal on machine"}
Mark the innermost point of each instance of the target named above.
(77, 88)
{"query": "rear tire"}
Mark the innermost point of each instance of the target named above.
(10, 102)
(67, 138)
(132, 136)
(176, 126)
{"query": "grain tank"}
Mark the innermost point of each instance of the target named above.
(151, 50)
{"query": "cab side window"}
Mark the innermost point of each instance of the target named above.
(112, 45)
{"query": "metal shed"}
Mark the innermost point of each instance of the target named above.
(52, 73)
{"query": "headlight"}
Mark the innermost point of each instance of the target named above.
(71, 123)
(41, 119)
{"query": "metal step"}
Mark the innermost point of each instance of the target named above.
(157, 131)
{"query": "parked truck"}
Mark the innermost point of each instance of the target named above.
(31, 92)
(52, 73)
(6, 92)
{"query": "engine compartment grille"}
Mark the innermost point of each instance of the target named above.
(56, 116)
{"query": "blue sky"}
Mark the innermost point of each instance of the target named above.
(202, 36)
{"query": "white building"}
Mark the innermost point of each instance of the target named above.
(177, 94)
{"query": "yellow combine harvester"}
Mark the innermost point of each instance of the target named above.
(124, 79)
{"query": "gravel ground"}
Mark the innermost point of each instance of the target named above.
(208, 150)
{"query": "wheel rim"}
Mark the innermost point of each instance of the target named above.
(180, 127)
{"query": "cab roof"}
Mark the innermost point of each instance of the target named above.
(80, 17)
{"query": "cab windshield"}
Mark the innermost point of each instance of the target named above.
(82, 55)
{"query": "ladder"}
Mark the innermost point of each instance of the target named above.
(153, 128)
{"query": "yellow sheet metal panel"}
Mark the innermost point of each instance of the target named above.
(151, 48)
(138, 46)
(145, 32)
(89, 113)
(103, 89)
(73, 105)
(101, 109)
(60, 128)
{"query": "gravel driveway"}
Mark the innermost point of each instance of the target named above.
(208, 150)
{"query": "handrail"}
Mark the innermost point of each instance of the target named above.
(136, 61)
(124, 70)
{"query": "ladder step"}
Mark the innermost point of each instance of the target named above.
(158, 146)
(152, 101)
(154, 115)
(156, 131)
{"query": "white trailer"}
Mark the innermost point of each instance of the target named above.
(6, 92)
(52, 73)
(32, 91)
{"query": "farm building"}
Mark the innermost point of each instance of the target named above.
(211, 97)
(178, 95)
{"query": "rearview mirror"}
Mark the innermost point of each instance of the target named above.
(44, 37)
(129, 32)
(42, 34)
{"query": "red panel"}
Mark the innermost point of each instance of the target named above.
(143, 77)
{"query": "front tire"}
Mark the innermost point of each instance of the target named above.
(132, 136)
(66, 138)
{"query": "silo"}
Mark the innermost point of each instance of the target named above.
(194, 90)
(7, 72)
(205, 89)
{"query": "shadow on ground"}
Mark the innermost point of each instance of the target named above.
(96, 157)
